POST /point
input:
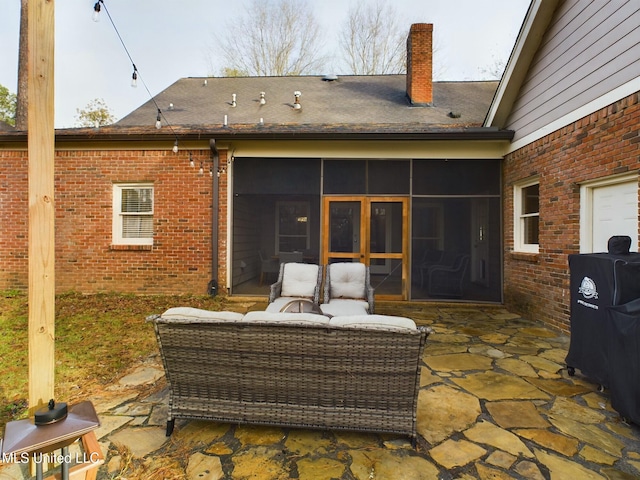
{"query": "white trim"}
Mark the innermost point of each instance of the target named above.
(586, 205)
(613, 96)
(230, 207)
(117, 219)
(510, 68)
(518, 225)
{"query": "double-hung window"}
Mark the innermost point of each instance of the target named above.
(526, 223)
(133, 214)
(292, 226)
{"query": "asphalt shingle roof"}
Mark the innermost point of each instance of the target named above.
(348, 103)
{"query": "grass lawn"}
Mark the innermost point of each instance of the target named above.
(98, 338)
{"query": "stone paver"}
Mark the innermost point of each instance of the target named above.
(495, 402)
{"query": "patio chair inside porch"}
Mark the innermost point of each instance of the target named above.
(268, 266)
(347, 289)
(295, 281)
(447, 280)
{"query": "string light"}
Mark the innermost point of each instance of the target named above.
(96, 12)
(97, 7)
(191, 162)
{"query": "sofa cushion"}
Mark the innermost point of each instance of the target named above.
(198, 314)
(347, 280)
(385, 322)
(299, 280)
(288, 318)
(342, 306)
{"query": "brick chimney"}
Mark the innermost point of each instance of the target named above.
(420, 64)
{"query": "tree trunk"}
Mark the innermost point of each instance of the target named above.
(23, 54)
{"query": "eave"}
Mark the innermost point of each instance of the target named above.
(413, 132)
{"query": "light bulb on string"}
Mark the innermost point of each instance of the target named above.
(191, 162)
(134, 77)
(175, 147)
(96, 12)
(201, 168)
(159, 120)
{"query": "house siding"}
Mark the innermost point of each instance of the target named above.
(179, 260)
(588, 50)
(602, 144)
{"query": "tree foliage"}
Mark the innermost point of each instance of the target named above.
(273, 38)
(95, 114)
(7, 106)
(373, 39)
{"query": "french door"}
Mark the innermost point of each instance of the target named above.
(371, 230)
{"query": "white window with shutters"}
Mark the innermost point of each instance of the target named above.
(133, 214)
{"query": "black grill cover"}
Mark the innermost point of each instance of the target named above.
(597, 281)
(623, 325)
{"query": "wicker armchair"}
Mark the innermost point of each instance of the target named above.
(295, 281)
(347, 289)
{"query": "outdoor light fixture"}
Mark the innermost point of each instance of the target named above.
(159, 120)
(175, 146)
(134, 77)
(96, 12)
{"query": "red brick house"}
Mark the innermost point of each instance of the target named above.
(424, 181)
(570, 176)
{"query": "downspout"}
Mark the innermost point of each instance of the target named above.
(212, 287)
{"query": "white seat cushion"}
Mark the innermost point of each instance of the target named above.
(347, 280)
(194, 314)
(288, 318)
(340, 306)
(384, 322)
(299, 280)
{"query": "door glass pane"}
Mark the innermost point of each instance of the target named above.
(386, 227)
(386, 276)
(344, 227)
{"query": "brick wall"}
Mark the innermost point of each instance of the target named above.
(605, 143)
(178, 262)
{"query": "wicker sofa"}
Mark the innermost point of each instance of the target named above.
(304, 370)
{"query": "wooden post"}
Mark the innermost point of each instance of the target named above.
(41, 137)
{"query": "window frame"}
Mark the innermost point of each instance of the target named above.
(117, 237)
(519, 218)
(306, 236)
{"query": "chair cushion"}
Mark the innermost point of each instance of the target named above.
(198, 314)
(287, 318)
(342, 306)
(347, 280)
(299, 280)
(384, 322)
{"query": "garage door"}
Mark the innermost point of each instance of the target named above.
(615, 212)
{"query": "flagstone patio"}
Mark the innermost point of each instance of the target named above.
(495, 402)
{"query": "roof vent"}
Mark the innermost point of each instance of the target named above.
(331, 77)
